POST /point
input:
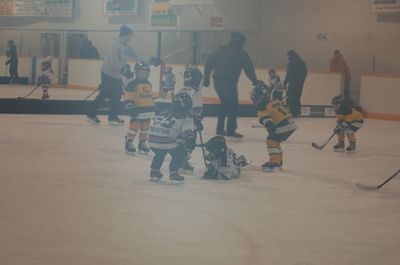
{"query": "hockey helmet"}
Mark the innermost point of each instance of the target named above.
(341, 105)
(182, 103)
(142, 70)
(337, 100)
(215, 147)
(192, 77)
(261, 94)
(168, 69)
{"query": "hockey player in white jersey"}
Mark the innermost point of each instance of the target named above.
(45, 77)
(167, 83)
(224, 163)
(172, 133)
(191, 84)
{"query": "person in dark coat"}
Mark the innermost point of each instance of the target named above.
(12, 60)
(226, 63)
(89, 51)
(296, 72)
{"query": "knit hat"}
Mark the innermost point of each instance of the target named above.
(124, 31)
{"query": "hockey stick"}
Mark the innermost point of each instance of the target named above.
(257, 126)
(202, 149)
(320, 147)
(367, 187)
(98, 88)
(33, 90)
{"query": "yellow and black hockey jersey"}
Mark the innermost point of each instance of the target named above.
(140, 92)
(279, 115)
(354, 119)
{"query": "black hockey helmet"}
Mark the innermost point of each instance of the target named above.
(192, 77)
(142, 70)
(182, 103)
(342, 105)
(215, 147)
(261, 94)
(338, 100)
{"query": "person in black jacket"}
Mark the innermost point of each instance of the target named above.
(88, 51)
(227, 63)
(12, 61)
(296, 72)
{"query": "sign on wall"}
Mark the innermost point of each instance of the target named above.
(6, 7)
(163, 15)
(120, 7)
(24, 8)
(385, 6)
(36, 8)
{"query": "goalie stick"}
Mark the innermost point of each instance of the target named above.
(368, 187)
(320, 147)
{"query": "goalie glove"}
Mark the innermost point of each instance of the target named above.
(268, 124)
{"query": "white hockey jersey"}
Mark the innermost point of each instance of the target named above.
(197, 99)
(169, 130)
(168, 81)
(225, 166)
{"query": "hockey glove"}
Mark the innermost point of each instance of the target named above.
(340, 127)
(268, 124)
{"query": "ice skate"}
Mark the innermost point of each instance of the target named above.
(116, 121)
(234, 136)
(143, 148)
(129, 147)
(186, 167)
(93, 119)
(155, 175)
(339, 147)
(45, 95)
(352, 147)
(271, 167)
(176, 178)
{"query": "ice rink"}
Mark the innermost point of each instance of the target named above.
(70, 195)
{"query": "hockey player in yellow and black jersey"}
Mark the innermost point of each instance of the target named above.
(276, 119)
(349, 121)
(139, 103)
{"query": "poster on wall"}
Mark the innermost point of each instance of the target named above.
(24, 8)
(59, 8)
(385, 6)
(120, 7)
(6, 7)
(162, 14)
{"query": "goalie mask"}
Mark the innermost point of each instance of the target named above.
(182, 103)
(261, 94)
(215, 147)
(142, 70)
(192, 77)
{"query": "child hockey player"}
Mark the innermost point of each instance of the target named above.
(172, 133)
(44, 80)
(276, 84)
(223, 161)
(167, 83)
(191, 80)
(348, 122)
(276, 119)
(139, 103)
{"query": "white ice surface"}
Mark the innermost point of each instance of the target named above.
(69, 195)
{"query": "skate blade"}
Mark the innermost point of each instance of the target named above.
(185, 171)
(92, 122)
(130, 153)
(271, 170)
(338, 150)
(115, 123)
(176, 182)
(143, 152)
(154, 179)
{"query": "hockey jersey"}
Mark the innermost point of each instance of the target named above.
(225, 166)
(140, 93)
(170, 130)
(195, 95)
(353, 118)
(168, 81)
(277, 87)
(279, 115)
(46, 72)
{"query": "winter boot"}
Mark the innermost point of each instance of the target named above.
(143, 148)
(155, 175)
(175, 177)
(339, 147)
(129, 148)
(271, 166)
(352, 147)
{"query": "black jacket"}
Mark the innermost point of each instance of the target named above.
(296, 71)
(12, 55)
(227, 62)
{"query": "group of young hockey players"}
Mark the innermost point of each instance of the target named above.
(174, 130)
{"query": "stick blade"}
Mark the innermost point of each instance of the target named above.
(316, 146)
(366, 187)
